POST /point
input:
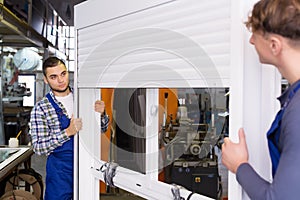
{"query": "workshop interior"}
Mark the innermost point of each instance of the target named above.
(29, 32)
(190, 122)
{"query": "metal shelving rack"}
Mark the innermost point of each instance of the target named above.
(17, 31)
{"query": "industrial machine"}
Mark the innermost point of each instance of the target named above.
(15, 115)
(190, 141)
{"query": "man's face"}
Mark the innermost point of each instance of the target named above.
(58, 79)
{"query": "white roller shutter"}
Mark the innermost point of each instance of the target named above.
(184, 43)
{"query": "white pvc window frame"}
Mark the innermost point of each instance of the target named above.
(253, 91)
(145, 185)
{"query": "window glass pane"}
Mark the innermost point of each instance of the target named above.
(193, 124)
(125, 139)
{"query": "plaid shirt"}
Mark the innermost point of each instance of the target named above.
(45, 131)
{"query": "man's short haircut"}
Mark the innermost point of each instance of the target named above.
(51, 62)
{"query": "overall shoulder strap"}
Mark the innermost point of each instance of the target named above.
(63, 119)
(56, 107)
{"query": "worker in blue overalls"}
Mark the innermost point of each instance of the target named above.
(52, 129)
(275, 27)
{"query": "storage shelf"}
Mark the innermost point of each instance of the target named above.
(16, 32)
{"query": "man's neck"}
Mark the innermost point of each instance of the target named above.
(62, 94)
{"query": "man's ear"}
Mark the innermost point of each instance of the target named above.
(45, 80)
(275, 45)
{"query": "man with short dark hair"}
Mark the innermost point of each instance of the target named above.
(52, 129)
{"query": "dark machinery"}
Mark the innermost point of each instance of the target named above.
(190, 158)
(15, 115)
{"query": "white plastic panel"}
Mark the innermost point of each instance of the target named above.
(89, 145)
(100, 12)
(178, 44)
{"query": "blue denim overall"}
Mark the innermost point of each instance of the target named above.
(59, 167)
(273, 134)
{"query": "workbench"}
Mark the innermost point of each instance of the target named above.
(17, 156)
